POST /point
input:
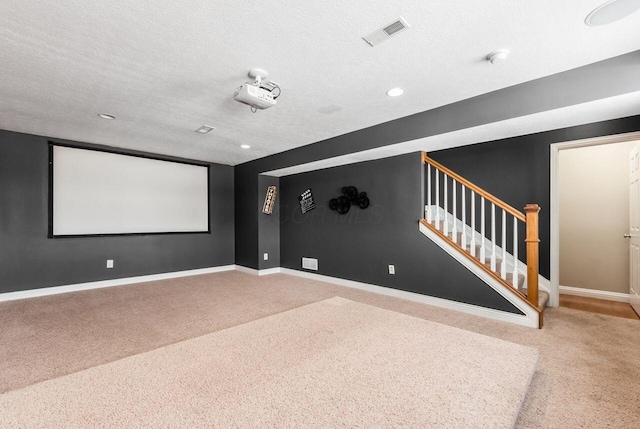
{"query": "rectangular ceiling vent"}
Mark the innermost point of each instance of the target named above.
(386, 32)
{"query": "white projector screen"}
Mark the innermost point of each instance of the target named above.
(103, 193)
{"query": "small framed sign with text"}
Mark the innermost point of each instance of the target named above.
(306, 201)
(269, 200)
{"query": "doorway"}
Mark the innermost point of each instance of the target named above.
(576, 245)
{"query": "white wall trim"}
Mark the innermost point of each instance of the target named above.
(269, 271)
(554, 228)
(592, 293)
(416, 297)
(246, 270)
(33, 293)
(530, 315)
(554, 209)
(438, 302)
(255, 272)
(475, 310)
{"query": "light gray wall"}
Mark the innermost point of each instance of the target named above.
(593, 191)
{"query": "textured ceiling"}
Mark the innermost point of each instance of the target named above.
(165, 68)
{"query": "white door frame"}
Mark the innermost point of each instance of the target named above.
(555, 148)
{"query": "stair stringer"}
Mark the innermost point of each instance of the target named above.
(543, 283)
(531, 317)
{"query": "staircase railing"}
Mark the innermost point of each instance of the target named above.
(452, 200)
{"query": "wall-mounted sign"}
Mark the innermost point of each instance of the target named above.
(306, 201)
(269, 200)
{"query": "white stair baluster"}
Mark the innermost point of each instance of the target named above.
(515, 252)
(446, 204)
(493, 237)
(473, 223)
(463, 242)
(429, 218)
(483, 249)
(437, 198)
(503, 265)
(454, 217)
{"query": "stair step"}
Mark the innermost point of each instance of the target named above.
(487, 260)
(543, 297)
(520, 283)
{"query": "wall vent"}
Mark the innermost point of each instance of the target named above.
(386, 32)
(310, 264)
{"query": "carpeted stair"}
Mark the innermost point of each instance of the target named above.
(543, 296)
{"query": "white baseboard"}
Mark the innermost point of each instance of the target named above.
(592, 293)
(255, 272)
(32, 293)
(438, 302)
(410, 296)
(424, 299)
(246, 270)
(268, 271)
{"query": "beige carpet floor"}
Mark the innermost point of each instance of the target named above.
(587, 375)
(334, 363)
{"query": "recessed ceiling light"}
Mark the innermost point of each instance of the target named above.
(394, 92)
(106, 116)
(611, 11)
(204, 129)
(245, 146)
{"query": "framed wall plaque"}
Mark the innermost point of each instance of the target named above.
(269, 200)
(306, 201)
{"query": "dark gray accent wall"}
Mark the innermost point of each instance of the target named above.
(246, 216)
(268, 225)
(361, 244)
(516, 170)
(29, 260)
(607, 78)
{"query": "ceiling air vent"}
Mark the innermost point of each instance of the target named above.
(386, 32)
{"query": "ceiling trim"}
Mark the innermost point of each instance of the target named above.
(585, 113)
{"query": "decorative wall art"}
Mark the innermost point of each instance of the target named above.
(350, 196)
(306, 201)
(269, 200)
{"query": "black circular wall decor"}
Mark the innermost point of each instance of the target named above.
(363, 200)
(349, 197)
(343, 205)
(351, 192)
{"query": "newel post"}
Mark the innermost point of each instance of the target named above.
(532, 241)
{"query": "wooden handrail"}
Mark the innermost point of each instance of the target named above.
(532, 241)
(498, 202)
(484, 267)
(530, 219)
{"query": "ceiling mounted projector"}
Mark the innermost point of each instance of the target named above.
(261, 94)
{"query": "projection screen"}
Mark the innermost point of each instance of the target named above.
(94, 192)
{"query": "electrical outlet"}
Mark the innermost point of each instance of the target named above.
(392, 269)
(109, 263)
(266, 256)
